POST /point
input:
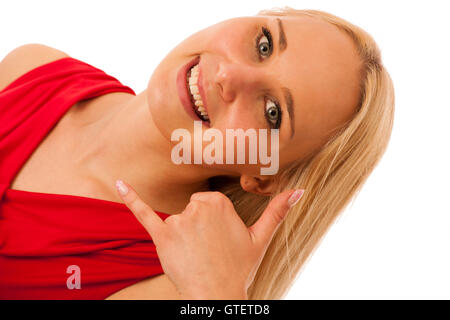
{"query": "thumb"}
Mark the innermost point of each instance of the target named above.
(263, 230)
(151, 221)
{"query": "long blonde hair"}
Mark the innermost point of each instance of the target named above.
(331, 177)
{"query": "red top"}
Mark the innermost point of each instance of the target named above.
(42, 234)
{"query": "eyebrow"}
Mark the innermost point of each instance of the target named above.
(282, 44)
(290, 107)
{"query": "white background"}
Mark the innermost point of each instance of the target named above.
(393, 241)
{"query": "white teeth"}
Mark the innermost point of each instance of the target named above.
(193, 88)
(193, 80)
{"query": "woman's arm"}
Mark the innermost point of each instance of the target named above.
(154, 288)
(25, 58)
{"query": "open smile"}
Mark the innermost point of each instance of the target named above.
(190, 91)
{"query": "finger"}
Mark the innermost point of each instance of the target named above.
(217, 200)
(195, 206)
(208, 196)
(151, 221)
(200, 196)
(263, 230)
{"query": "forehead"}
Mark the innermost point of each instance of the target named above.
(321, 68)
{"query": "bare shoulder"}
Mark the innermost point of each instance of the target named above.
(155, 288)
(25, 58)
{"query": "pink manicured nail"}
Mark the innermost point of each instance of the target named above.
(295, 196)
(121, 187)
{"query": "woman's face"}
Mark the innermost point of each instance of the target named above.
(297, 74)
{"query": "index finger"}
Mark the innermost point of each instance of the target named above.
(151, 221)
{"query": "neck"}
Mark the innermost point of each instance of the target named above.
(124, 143)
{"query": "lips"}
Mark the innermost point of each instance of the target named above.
(183, 91)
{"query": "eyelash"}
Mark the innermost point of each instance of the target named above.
(265, 32)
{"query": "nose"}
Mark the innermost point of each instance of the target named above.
(235, 78)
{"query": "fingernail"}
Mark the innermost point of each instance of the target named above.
(121, 187)
(295, 196)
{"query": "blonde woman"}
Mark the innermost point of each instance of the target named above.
(72, 131)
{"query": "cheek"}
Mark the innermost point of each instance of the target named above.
(239, 117)
(242, 118)
(162, 101)
(231, 40)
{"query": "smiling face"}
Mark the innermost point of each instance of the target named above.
(298, 74)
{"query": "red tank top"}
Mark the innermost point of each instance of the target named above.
(50, 241)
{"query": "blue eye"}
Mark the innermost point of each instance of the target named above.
(273, 113)
(264, 48)
(263, 44)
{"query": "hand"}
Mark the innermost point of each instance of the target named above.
(207, 251)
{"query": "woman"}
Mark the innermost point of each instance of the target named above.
(315, 77)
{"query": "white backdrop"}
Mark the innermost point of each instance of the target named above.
(393, 241)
